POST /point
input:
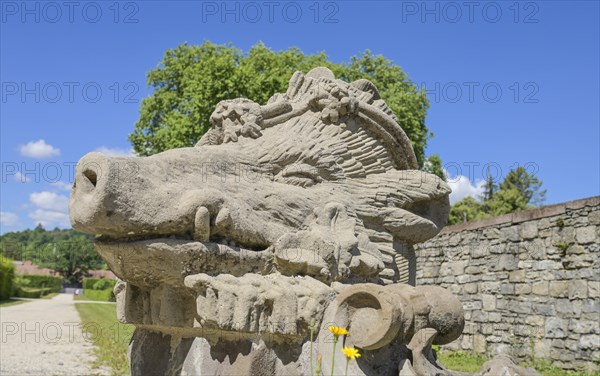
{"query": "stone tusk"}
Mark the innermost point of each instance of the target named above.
(202, 224)
(223, 219)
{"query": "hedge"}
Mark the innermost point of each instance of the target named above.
(43, 281)
(7, 276)
(34, 293)
(98, 283)
(99, 295)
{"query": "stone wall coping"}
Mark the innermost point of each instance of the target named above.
(524, 216)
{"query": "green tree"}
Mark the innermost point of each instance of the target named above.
(72, 258)
(69, 252)
(433, 165)
(7, 277)
(506, 201)
(526, 184)
(489, 188)
(465, 210)
(191, 80)
(518, 191)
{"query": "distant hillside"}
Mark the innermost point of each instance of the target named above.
(69, 252)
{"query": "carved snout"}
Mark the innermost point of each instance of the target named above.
(129, 196)
(167, 194)
(90, 205)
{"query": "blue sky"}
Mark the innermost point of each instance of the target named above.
(510, 83)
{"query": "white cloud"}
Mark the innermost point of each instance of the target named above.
(50, 218)
(39, 149)
(9, 219)
(51, 209)
(115, 151)
(462, 187)
(61, 185)
(50, 200)
(21, 178)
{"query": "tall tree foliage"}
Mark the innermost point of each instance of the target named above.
(519, 190)
(191, 80)
(489, 188)
(528, 185)
(433, 165)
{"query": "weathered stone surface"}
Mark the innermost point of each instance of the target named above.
(458, 267)
(529, 230)
(555, 327)
(516, 276)
(577, 289)
(590, 341)
(470, 288)
(585, 235)
(505, 366)
(522, 288)
(559, 288)
(575, 249)
(594, 217)
(479, 344)
(488, 302)
(594, 289)
(540, 288)
(507, 262)
(509, 234)
(507, 289)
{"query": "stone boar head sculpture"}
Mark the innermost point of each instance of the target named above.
(321, 181)
(257, 228)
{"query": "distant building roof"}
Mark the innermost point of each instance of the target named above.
(27, 268)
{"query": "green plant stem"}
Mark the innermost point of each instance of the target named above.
(347, 362)
(335, 339)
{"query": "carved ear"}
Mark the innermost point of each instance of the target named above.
(367, 86)
(412, 205)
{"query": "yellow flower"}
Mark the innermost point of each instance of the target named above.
(351, 352)
(337, 331)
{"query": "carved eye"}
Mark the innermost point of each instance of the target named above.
(301, 174)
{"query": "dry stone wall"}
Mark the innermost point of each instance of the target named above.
(529, 282)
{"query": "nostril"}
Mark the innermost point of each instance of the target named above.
(91, 176)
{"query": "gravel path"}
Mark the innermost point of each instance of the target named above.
(43, 337)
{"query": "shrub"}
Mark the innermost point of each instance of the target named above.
(42, 281)
(7, 277)
(104, 284)
(99, 295)
(32, 292)
(90, 283)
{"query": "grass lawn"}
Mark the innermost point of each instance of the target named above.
(465, 362)
(10, 302)
(110, 337)
(459, 361)
(97, 295)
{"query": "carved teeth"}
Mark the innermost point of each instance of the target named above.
(223, 219)
(202, 224)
